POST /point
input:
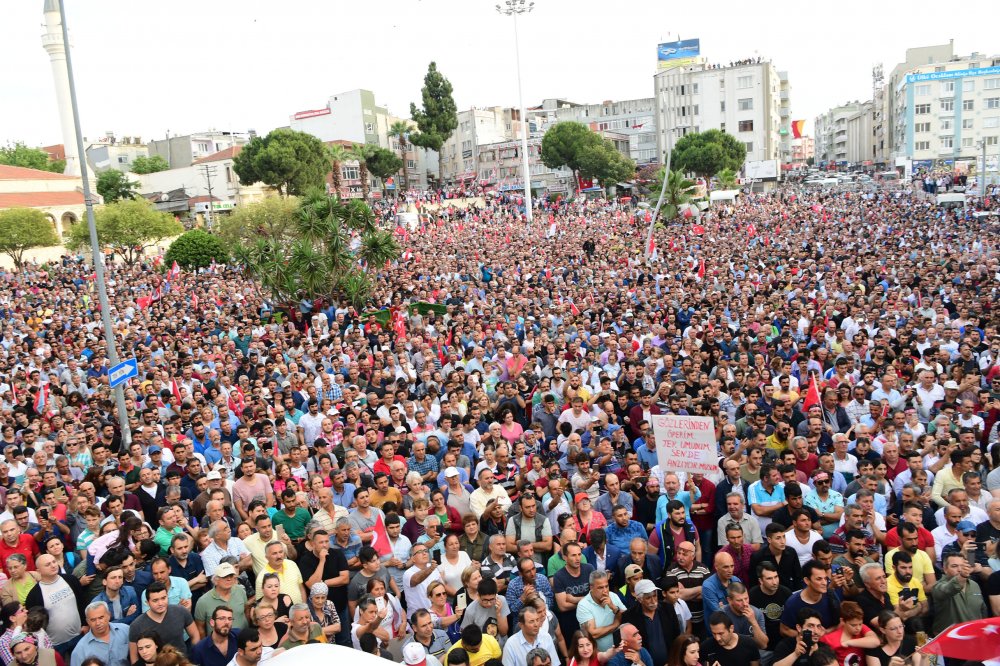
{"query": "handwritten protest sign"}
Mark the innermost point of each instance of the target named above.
(686, 444)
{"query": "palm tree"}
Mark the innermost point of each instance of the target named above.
(680, 191)
(338, 155)
(361, 152)
(401, 130)
(726, 179)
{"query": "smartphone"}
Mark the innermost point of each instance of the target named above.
(837, 569)
(461, 601)
(280, 529)
(379, 603)
(807, 638)
(437, 556)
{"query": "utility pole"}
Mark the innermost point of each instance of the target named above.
(208, 171)
(102, 288)
(517, 8)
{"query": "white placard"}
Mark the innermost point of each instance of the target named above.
(686, 444)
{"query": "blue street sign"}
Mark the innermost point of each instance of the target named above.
(122, 372)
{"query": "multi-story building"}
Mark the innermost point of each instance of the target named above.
(182, 151)
(944, 111)
(895, 94)
(785, 115)
(803, 150)
(630, 124)
(831, 134)
(500, 166)
(743, 100)
(110, 152)
(861, 136)
(476, 127)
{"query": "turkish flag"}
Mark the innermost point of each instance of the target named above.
(380, 539)
(701, 268)
(175, 389)
(978, 640)
(698, 229)
(812, 394)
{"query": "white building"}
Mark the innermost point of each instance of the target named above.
(630, 121)
(943, 112)
(59, 196)
(500, 166)
(110, 152)
(184, 150)
(476, 127)
(742, 100)
(831, 132)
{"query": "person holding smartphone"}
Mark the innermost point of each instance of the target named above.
(796, 650)
(898, 647)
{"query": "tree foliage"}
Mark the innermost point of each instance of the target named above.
(272, 217)
(291, 162)
(22, 229)
(337, 155)
(18, 154)
(384, 164)
(313, 258)
(708, 153)
(401, 131)
(726, 179)
(575, 146)
(360, 152)
(127, 227)
(196, 249)
(151, 164)
(114, 186)
(679, 191)
(438, 117)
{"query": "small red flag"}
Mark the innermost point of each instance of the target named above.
(698, 229)
(176, 390)
(812, 394)
(380, 539)
(701, 268)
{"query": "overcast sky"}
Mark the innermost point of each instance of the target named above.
(143, 68)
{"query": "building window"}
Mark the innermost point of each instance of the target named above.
(122, 159)
(411, 164)
(947, 105)
(967, 123)
(749, 145)
(947, 88)
(922, 90)
(743, 82)
(229, 174)
(991, 140)
(722, 126)
(746, 125)
(991, 84)
(922, 109)
(968, 104)
(947, 142)
(369, 128)
(967, 142)
(467, 144)
(745, 104)
(922, 145)
(968, 86)
(722, 106)
(203, 146)
(991, 122)
(921, 127)
(947, 124)
(350, 172)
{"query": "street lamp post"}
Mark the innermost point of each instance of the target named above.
(981, 144)
(102, 289)
(514, 8)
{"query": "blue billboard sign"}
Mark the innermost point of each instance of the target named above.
(677, 54)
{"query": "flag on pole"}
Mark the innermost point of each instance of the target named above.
(175, 390)
(143, 302)
(175, 271)
(380, 539)
(41, 397)
(422, 307)
(967, 641)
(701, 268)
(812, 394)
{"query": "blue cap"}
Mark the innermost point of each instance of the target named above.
(154, 449)
(965, 526)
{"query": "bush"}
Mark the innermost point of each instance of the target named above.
(196, 249)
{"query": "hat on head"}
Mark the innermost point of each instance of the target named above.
(154, 449)
(414, 654)
(645, 586)
(965, 526)
(579, 497)
(450, 472)
(633, 570)
(214, 475)
(821, 476)
(951, 385)
(319, 590)
(225, 569)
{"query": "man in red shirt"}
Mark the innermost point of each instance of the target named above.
(14, 541)
(912, 513)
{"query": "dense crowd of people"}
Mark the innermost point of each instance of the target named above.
(479, 483)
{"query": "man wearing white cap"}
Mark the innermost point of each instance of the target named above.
(225, 592)
(414, 654)
(656, 621)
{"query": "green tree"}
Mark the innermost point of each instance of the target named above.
(572, 145)
(22, 229)
(438, 117)
(18, 154)
(384, 164)
(603, 162)
(127, 227)
(401, 130)
(313, 258)
(113, 185)
(291, 162)
(707, 153)
(337, 154)
(151, 164)
(726, 179)
(272, 217)
(196, 249)
(679, 191)
(360, 152)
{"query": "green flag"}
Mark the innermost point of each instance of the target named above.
(423, 308)
(382, 317)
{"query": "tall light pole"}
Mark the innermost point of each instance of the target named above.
(981, 144)
(102, 289)
(515, 8)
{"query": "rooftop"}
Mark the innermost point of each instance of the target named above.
(24, 173)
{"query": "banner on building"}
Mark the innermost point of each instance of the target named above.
(686, 443)
(677, 54)
(797, 127)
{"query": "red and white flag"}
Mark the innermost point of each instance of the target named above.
(175, 271)
(701, 268)
(380, 539)
(812, 394)
(978, 640)
(175, 389)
